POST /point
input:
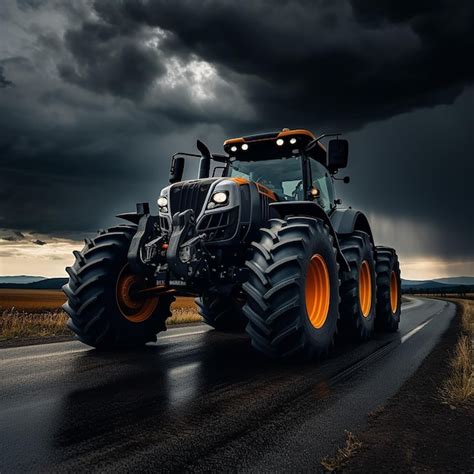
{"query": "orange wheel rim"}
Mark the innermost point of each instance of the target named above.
(365, 288)
(132, 308)
(393, 292)
(317, 291)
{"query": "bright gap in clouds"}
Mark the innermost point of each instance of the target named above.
(197, 76)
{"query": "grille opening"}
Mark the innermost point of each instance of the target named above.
(220, 225)
(190, 195)
(164, 224)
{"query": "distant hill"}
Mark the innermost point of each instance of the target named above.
(462, 280)
(438, 282)
(20, 279)
(45, 284)
(425, 284)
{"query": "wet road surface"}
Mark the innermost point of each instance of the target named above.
(198, 400)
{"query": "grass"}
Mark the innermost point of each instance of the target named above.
(31, 314)
(15, 324)
(343, 455)
(459, 388)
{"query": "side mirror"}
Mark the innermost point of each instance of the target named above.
(338, 152)
(176, 169)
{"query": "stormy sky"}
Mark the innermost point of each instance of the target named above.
(96, 96)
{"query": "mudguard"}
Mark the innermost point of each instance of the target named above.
(132, 217)
(346, 221)
(311, 209)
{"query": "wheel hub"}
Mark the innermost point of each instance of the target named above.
(365, 289)
(393, 292)
(317, 291)
(133, 307)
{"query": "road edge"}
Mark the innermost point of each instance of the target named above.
(413, 431)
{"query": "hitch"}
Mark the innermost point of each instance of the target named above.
(148, 226)
(183, 226)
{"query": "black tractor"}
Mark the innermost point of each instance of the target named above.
(259, 238)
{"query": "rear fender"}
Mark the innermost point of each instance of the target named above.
(346, 221)
(310, 209)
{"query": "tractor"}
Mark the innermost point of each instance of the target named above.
(261, 241)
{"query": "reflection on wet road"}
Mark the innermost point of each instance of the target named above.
(198, 399)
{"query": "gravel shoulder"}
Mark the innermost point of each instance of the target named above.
(416, 431)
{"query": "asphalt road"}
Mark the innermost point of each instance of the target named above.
(198, 400)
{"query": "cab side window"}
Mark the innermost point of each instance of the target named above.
(321, 180)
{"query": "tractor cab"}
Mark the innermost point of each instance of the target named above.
(287, 165)
(292, 164)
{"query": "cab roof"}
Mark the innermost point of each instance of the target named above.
(282, 143)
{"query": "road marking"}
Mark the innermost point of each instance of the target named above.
(378, 354)
(171, 336)
(43, 356)
(85, 349)
(414, 331)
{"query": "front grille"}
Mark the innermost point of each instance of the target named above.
(221, 225)
(190, 195)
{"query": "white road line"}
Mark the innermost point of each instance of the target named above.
(85, 349)
(43, 356)
(414, 331)
(171, 336)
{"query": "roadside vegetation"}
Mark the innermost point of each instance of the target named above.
(36, 314)
(459, 387)
(337, 462)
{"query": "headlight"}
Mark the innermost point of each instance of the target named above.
(162, 201)
(220, 197)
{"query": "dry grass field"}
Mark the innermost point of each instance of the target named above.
(459, 388)
(37, 313)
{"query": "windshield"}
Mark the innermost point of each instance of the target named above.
(283, 175)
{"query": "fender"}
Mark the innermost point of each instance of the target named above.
(310, 209)
(132, 217)
(346, 221)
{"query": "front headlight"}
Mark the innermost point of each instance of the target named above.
(162, 201)
(220, 197)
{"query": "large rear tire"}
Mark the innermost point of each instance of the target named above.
(293, 289)
(358, 291)
(222, 312)
(389, 296)
(101, 302)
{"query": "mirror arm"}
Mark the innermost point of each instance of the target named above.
(312, 143)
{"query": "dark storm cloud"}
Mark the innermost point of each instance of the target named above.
(105, 91)
(105, 61)
(335, 62)
(4, 82)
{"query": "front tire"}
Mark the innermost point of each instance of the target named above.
(293, 289)
(101, 302)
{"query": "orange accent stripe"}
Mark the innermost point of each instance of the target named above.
(239, 181)
(296, 132)
(260, 187)
(266, 192)
(233, 141)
